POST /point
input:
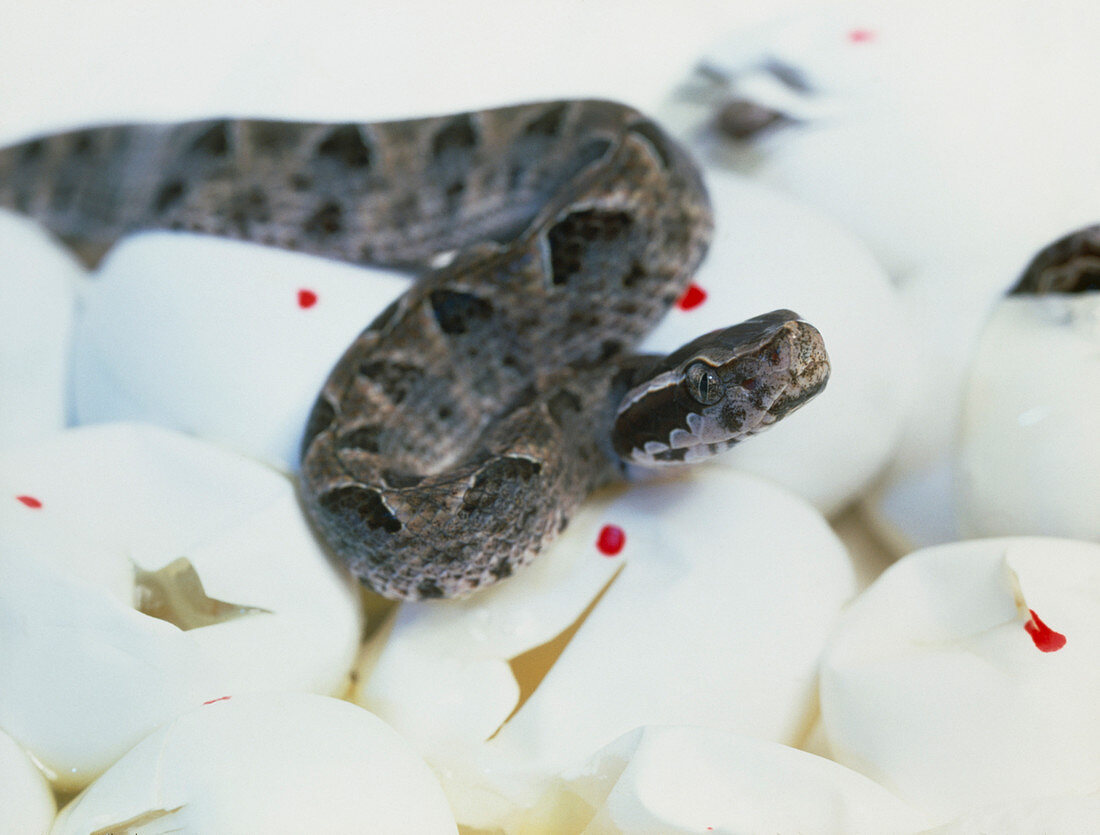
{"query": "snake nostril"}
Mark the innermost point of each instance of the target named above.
(749, 383)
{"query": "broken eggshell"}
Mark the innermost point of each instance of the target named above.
(226, 340)
(673, 622)
(38, 290)
(265, 762)
(143, 572)
(967, 675)
(680, 779)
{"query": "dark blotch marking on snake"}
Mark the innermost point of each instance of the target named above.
(548, 124)
(491, 484)
(429, 589)
(346, 145)
(457, 136)
(501, 569)
(327, 221)
(563, 406)
(360, 506)
(82, 142)
(365, 438)
(32, 152)
(214, 141)
(570, 238)
(169, 196)
(457, 312)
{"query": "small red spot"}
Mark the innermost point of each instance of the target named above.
(861, 35)
(29, 501)
(611, 540)
(219, 699)
(306, 299)
(693, 296)
(1045, 638)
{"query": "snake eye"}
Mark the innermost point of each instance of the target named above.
(703, 383)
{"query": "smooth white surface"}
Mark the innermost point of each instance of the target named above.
(1065, 815)
(341, 59)
(207, 336)
(91, 674)
(770, 252)
(932, 685)
(688, 633)
(273, 763)
(1030, 454)
(38, 287)
(689, 779)
(26, 804)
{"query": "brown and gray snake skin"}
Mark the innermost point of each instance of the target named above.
(464, 426)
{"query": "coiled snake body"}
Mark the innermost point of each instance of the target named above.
(461, 429)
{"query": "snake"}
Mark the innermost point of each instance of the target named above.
(460, 431)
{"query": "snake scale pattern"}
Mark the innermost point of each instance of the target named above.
(464, 426)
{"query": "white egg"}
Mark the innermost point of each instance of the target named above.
(265, 762)
(967, 675)
(225, 340)
(143, 572)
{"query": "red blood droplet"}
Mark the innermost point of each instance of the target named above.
(611, 540)
(1045, 638)
(219, 699)
(693, 296)
(861, 35)
(306, 299)
(29, 501)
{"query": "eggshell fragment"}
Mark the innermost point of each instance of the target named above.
(26, 805)
(1029, 461)
(673, 779)
(87, 517)
(967, 675)
(222, 339)
(714, 612)
(270, 762)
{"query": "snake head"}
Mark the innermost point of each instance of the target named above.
(719, 389)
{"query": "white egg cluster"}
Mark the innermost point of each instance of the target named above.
(715, 650)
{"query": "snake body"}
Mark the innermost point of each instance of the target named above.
(462, 428)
